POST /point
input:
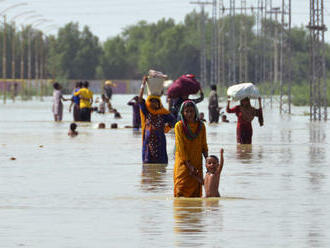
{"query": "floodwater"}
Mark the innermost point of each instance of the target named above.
(93, 191)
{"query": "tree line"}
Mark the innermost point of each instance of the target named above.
(165, 45)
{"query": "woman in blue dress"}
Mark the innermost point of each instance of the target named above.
(155, 122)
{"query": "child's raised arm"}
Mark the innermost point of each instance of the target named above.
(221, 162)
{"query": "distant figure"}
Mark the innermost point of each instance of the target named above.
(213, 105)
(75, 102)
(212, 177)
(108, 89)
(134, 102)
(114, 126)
(72, 131)
(57, 102)
(101, 107)
(245, 114)
(116, 114)
(101, 125)
(224, 118)
(86, 100)
(201, 117)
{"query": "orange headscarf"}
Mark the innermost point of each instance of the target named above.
(160, 111)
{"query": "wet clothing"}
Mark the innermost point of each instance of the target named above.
(85, 114)
(108, 91)
(76, 99)
(76, 112)
(189, 149)
(153, 133)
(244, 129)
(86, 97)
(76, 106)
(57, 107)
(213, 107)
(136, 114)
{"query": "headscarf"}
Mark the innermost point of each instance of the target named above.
(160, 111)
(186, 128)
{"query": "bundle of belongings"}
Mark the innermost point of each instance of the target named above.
(238, 92)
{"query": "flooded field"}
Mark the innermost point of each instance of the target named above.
(93, 191)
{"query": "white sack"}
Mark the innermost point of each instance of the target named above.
(155, 82)
(238, 92)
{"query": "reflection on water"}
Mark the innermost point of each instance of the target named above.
(94, 191)
(194, 219)
(317, 136)
(153, 177)
(188, 222)
(244, 153)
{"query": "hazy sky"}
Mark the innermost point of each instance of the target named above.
(107, 18)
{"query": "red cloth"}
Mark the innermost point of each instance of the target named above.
(244, 129)
(183, 86)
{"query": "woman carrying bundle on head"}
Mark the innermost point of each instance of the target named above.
(245, 114)
(155, 122)
(190, 146)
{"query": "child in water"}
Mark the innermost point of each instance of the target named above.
(212, 177)
(72, 131)
(101, 125)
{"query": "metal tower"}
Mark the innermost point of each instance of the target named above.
(243, 65)
(214, 41)
(285, 55)
(203, 73)
(318, 83)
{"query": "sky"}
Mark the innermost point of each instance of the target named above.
(108, 18)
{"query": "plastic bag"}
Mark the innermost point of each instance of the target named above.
(238, 92)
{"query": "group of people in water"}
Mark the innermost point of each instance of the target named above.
(190, 139)
(189, 128)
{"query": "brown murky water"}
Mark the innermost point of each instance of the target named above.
(93, 191)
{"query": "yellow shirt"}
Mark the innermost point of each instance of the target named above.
(86, 97)
(188, 150)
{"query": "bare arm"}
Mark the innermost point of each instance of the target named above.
(228, 105)
(221, 162)
(260, 104)
(144, 81)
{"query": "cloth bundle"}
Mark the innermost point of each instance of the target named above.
(184, 85)
(238, 92)
(155, 82)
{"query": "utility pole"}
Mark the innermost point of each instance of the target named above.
(243, 45)
(317, 81)
(285, 53)
(4, 59)
(221, 45)
(203, 41)
(243, 59)
(232, 14)
(276, 11)
(214, 41)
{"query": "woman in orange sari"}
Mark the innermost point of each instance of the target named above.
(155, 122)
(190, 143)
